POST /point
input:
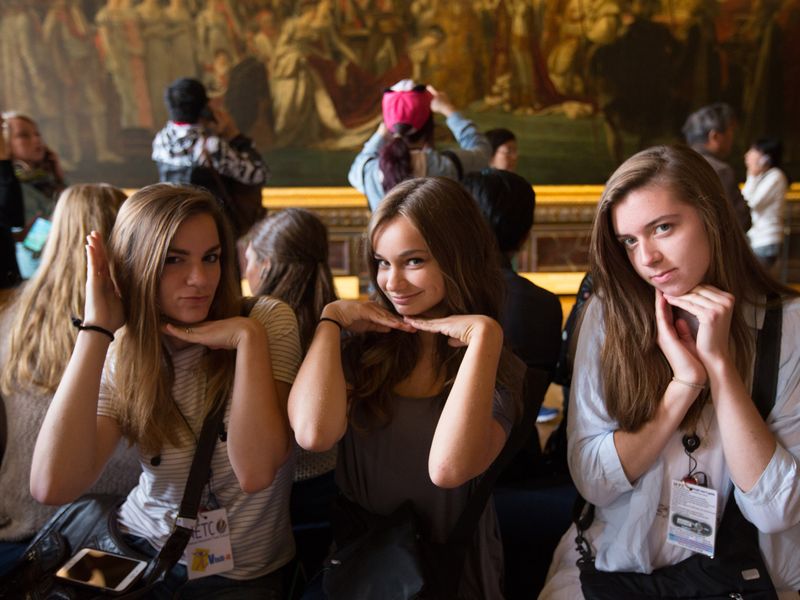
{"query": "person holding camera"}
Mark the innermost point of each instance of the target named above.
(201, 144)
(402, 147)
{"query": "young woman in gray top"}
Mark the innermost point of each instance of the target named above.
(421, 396)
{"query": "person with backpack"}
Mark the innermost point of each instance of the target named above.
(680, 458)
(202, 144)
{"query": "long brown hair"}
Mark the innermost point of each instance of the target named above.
(635, 371)
(138, 248)
(460, 240)
(42, 336)
(295, 242)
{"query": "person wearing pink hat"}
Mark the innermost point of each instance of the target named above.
(402, 147)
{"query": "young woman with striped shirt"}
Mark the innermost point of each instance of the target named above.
(166, 291)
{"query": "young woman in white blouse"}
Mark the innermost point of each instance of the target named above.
(166, 295)
(666, 353)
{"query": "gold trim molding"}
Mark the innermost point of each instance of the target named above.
(347, 197)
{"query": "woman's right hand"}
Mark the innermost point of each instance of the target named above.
(359, 317)
(103, 304)
(676, 342)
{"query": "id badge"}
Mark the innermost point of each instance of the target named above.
(692, 517)
(209, 549)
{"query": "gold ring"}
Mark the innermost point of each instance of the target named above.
(188, 330)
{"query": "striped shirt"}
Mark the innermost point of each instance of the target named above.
(261, 534)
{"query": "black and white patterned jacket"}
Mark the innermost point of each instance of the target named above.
(178, 148)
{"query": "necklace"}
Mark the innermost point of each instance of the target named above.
(691, 442)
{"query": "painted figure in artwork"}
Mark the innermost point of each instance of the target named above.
(123, 48)
(303, 110)
(218, 28)
(181, 57)
(155, 36)
(81, 90)
(25, 74)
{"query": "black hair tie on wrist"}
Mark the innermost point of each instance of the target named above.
(334, 321)
(78, 323)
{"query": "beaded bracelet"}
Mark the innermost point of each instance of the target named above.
(78, 323)
(334, 321)
(695, 386)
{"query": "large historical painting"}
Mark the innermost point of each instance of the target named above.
(583, 83)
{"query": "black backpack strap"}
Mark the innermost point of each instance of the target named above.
(199, 473)
(456, 162)
(768, 354)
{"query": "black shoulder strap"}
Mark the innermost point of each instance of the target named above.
(456, 162)
(199, 473)
(768, 354)
(536, 382)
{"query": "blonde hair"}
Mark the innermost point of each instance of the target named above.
(635, 371)
(144, 375)
(42, 336)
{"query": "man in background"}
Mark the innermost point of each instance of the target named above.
(710, 131)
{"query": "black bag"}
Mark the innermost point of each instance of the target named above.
(91, 522)
(386, 557)
(737, 569)
(394, 540)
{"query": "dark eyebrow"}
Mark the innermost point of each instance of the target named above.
(182, 252)
(407, 253)
(651, 224)
(662, 218)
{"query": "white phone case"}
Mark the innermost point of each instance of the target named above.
(93, 560)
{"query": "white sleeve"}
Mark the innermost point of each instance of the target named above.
(773, 503)
(761, 192)
(592, 455)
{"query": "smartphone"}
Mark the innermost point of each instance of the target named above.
(102, 570)
(37, 235)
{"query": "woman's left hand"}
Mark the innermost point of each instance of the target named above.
(461, 329)
(713, 309)
(224, 334)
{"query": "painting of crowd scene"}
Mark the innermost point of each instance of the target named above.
(583, 83)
